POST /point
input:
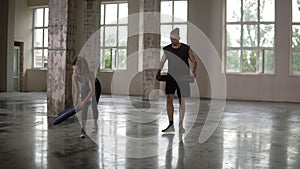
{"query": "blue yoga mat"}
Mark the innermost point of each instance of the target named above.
(62, 116)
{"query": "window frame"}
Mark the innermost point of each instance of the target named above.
(43, 48)
(294, 49)
(258, 47)
(117, 47)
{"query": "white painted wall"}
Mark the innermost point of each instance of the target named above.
(34, 80)
(35, 3)
(23, 30)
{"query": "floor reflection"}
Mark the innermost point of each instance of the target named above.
(251, 135)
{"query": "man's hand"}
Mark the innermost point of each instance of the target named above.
(194, 73)
(158, 74)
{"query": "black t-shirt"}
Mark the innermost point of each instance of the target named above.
(178, 60)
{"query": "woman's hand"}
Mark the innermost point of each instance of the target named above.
(81, 104)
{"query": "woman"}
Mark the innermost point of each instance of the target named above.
(90, 90)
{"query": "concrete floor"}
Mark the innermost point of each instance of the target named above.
(250, 135)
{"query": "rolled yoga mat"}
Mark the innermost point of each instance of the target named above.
(62, 116)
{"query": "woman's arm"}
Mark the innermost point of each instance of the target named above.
(76, 89)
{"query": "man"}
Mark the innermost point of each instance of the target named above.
(178, 56)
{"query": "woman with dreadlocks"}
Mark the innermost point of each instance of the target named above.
(90, 91)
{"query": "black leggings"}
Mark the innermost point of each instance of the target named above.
(95, 100)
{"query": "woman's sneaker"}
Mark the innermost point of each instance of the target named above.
(82, 134)
(95, 130)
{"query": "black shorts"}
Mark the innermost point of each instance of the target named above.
(182, 87)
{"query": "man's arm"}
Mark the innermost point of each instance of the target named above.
(194, 62)
(161, 65)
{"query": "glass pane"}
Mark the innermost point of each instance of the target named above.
(38, 58)
(267, 10)
(102, 14)
(233, 61)
(122, 36)
(102, 61)
(296, 63)
(38, 38)
(296, 36)
(45, 37)
(122, 59)
(111, 13)
(111, 36)
(101, 36)
(166, 12)
(123, 13)
(107, 58)
(46, 17)
(233, 35)
(233, 10)
(269, 62)
(38, 17)
(16, 62)
(250, 10)
(267, 34)
(250, 36)
(296, 10)
(45, 58)
(180, 11)
(182, 32)
(249, 62)
(165, 34)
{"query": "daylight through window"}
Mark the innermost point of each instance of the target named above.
(250, 33)
(40, 37)
(113, 36)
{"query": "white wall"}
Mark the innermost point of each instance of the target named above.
(37, 2)
(23, 30)
(34, 80)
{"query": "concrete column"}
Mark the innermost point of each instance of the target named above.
(7, 9)
(61, 53)
(151, 54)
(90, 34)
(3, 45)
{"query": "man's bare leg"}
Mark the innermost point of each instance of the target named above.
(170, 111)
(181, 114)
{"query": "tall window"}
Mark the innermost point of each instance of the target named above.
(296, 38)
(40, 37)
(250, 35)
(174, 14)
(113, 36)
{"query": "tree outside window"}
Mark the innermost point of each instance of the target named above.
(113, 36)
(250, 33)
(296, 37)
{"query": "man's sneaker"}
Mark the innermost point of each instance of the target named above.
(170, 128)
(82, 136)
